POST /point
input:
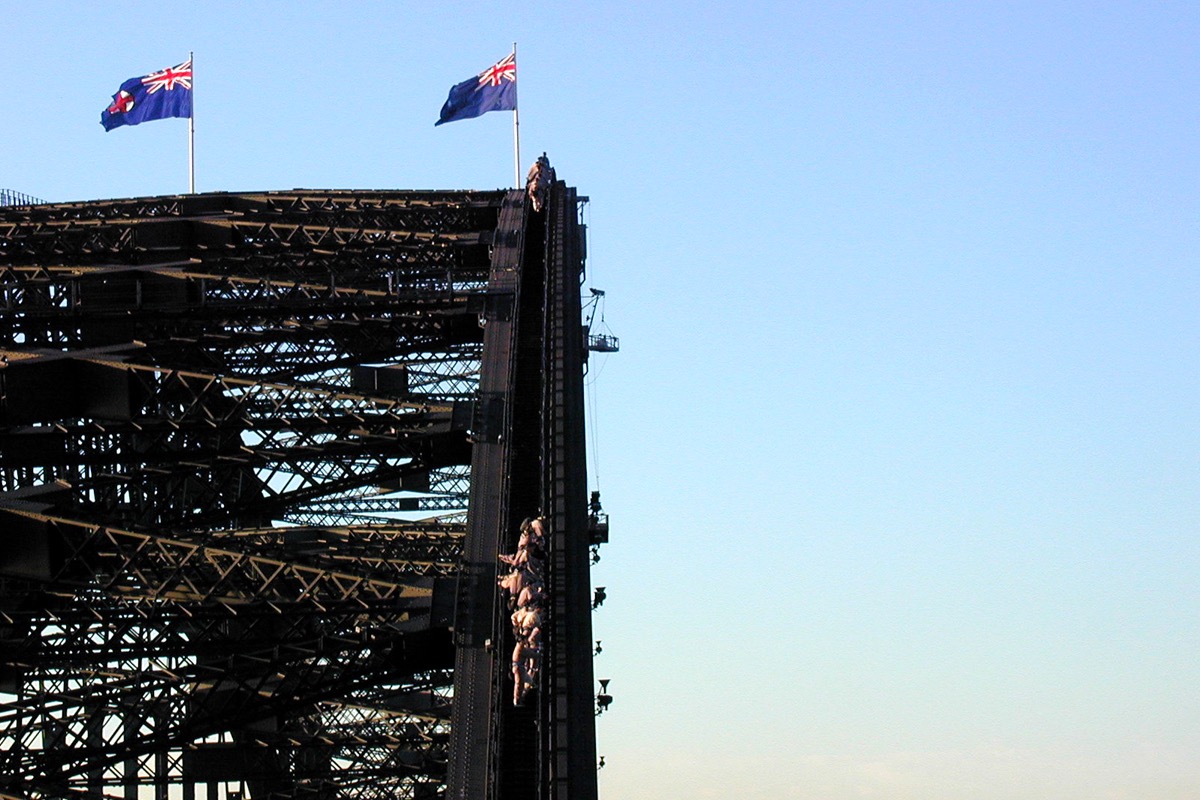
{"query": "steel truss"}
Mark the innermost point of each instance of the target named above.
(238, 438)
(258, 455)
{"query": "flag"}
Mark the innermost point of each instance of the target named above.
(494, 89)
(163, 94)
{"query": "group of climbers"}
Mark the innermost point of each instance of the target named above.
(537, 184)
(526, 598)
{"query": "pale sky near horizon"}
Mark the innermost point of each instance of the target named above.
(901, 450)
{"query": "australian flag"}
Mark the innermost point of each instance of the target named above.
(163, 94)
(494, 89)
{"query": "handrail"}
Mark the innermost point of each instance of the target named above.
(9, 197)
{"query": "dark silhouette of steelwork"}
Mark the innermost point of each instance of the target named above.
(258, 455)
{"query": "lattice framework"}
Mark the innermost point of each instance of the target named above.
(234, 448)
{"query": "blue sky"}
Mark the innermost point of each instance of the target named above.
(901, 448)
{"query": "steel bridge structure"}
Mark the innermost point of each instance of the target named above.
(259, 454)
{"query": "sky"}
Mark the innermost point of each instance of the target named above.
(901, 447)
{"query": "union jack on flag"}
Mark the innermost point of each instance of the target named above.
(494, 89)
(159, 95)
(180, 74)
(505, 69)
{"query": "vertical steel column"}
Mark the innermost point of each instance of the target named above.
(573, 733)
(95, 715)
(472, 755)
(129, 774)
(162, 775)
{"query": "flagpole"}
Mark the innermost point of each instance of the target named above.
(192, 130)
(516, 130)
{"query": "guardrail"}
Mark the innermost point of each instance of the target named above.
(8, 197)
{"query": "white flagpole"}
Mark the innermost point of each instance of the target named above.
(516, 128)
(192, 130)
